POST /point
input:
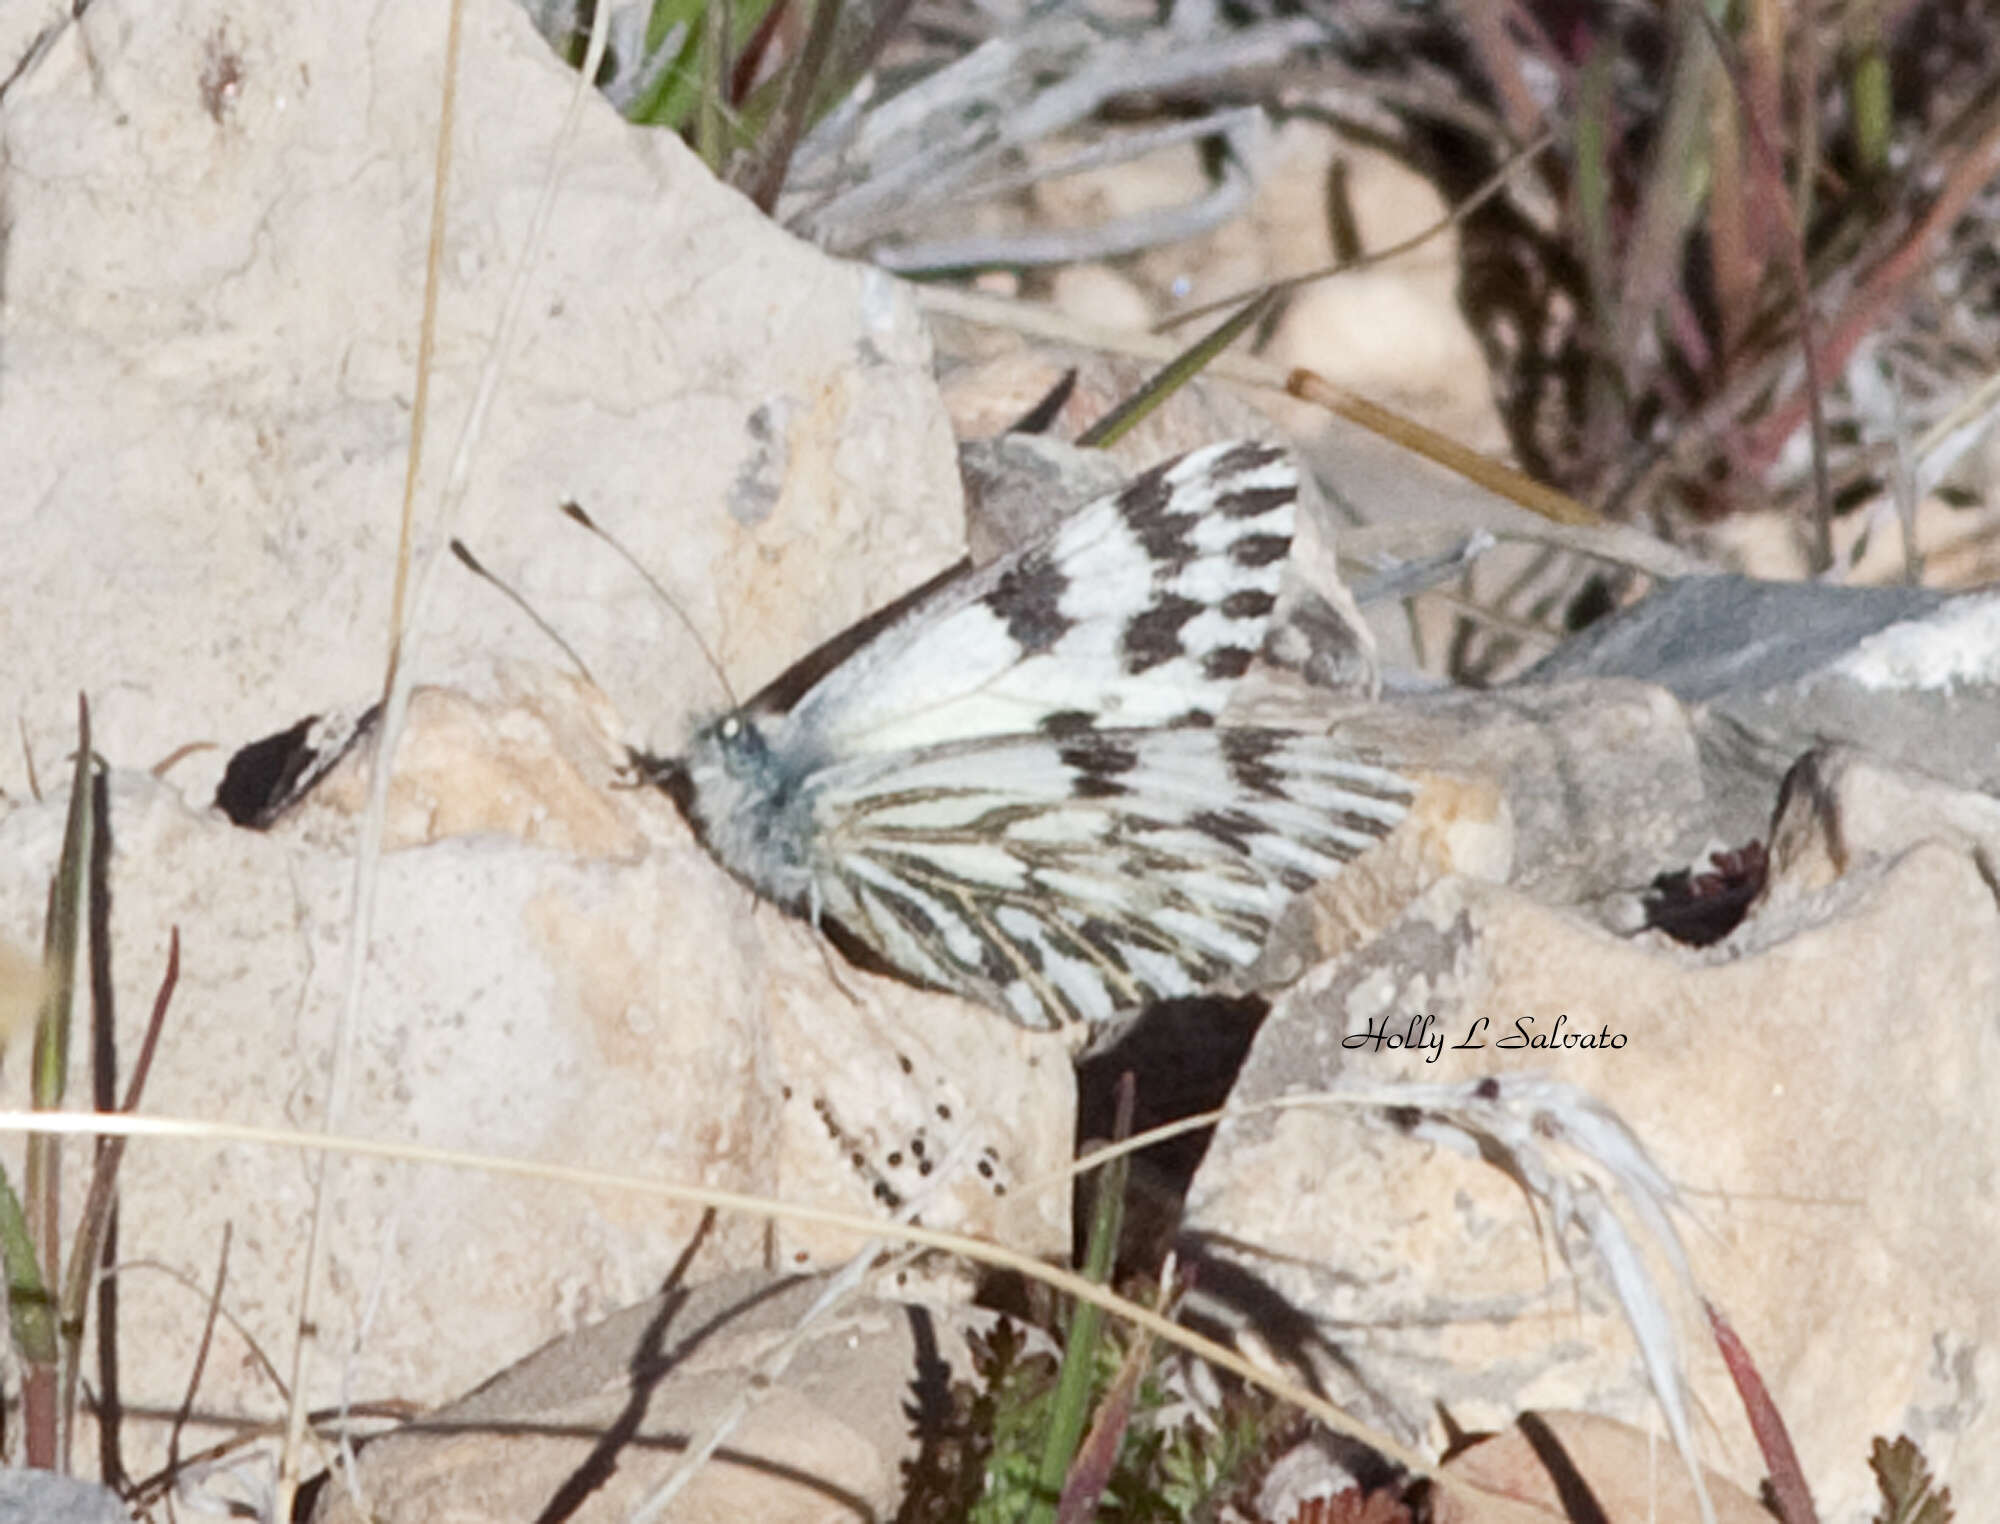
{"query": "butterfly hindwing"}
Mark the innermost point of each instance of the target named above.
(1077, 882)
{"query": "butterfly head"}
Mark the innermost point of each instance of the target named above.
(738, 794)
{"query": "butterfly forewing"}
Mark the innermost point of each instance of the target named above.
(1142, 608)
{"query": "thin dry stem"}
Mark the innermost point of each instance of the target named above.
(997, 1256)
(361, 919)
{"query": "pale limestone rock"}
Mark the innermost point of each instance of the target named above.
(601, 1418)
(211, 318)
(1812, 1085)
(1602, 782)
(212, 324)
(635, 1014)
(1548, 1459)
(1767, 670)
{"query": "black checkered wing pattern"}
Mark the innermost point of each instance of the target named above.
(1142, 608)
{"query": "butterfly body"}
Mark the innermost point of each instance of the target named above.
(751, 806)
(1022, 787)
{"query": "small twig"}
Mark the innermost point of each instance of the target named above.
(837, 1289)
(1061, 246)
(1889, 279)
(1945, 441)
(1118, 148)
(259, 1356)
(1390, 579)
(766, 174)
(153, 1487)
(95, 1228)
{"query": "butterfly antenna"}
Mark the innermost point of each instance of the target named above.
(473, 565)
(574, 510)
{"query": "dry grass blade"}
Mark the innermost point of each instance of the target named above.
(858, 181)
(1447, 452)
(1887, 282)
(1781, 1461)
(395, 703)
(1770, 169)
(1517, 1124)
(426, 343)
(773, 1366)
(1113, 239)
(1494, 184)
(200, 1363)
(1521, 1124)
(979, 1251)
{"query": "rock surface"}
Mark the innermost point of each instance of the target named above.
(210, 320)
(41, 1497)
(593, 1424)
(1809, 1085)
(212, 313)
(615, 1012)
(1769, 669)
(1547, 1461)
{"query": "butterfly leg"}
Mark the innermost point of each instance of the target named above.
(814, 911)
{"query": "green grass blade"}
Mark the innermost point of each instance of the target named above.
(31, 1234)
(1070, 1409)
(711, 139)
(30, 1312)
(1174, 375)
(64, 932)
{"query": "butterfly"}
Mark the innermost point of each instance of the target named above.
(1020, 786)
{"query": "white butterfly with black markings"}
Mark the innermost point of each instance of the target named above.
(1021, 788)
